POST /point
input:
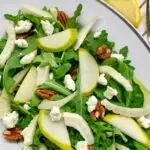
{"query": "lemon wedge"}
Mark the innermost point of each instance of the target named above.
(128, 8)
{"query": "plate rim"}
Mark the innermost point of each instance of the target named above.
(124, 20)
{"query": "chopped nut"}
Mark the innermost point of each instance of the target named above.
(73, 71)
(62, 17)
(45, 93)
(103, 52)
(98, 113)
(13, 134)
(90, 147)
(23, 36)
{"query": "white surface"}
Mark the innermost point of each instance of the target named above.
(118, 31)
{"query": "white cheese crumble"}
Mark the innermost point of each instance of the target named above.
(21, 43)
(23, 26)
(27, 107)
(97, 34)
(55, 114)
(102, 80)
(27, 59)
(82, 145)
(42, 75)
(47, 27)
(91, 103)
(10, 120)
(51, 76)
(144, 121)
(110, 92)
(120, 57)
(69, 82)
(28, 132)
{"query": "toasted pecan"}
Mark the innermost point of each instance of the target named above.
(13, 134)
(90, 147)
(103, 52)
(98, 113)
(73, 71)
(45, 93)
(23, 35)
(62, 17)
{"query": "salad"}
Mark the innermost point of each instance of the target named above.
(66, 87)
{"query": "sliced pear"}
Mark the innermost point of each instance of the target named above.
(31, 10)
(59, 41)
(117, 76)
(59, 103)
(78, 123)
(56, 132)
(4, 107)
(83, 33)
(124, 111)
(129, 127)
(27, 87)
(89, 72)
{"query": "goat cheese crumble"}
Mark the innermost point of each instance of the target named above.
(21, 43)
(110, 92)
(91, 103)
(69, 82)
(10, 120)
(102, 80)
(55, 114)
(81, 145)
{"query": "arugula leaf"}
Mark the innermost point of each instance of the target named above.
(99, 92)
(2, 43)
(35, 101)
(72, 22)
(70, 55)
(61, 71)
(139, 146)
(15, 19)
(24, 121)
(36, 139)
(124, 51)
(113, 62)
(12, 64)
(46, 59)
(92, 43)
(53, 85)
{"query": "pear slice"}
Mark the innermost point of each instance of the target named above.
(78, 123)
(129, 127)
(31, 10)
(59, 41)
(89, 72)
(117, 76)
(59, 103)
(83, 33)
(125, 111)
(56, 132)
(27, 87)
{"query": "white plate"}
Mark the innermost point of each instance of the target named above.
(119, 31)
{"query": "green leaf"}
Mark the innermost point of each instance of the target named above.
(53, 85)
(124, 51)
(72, 22)
(61, 71)
(113, 62)
(92, 43)
(36, 139)
(99, 91)
(15, 19)
(139, 146)
(70, 55)
(12, 64)
(35, 101)
(24, 121)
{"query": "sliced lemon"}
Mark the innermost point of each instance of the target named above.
(128, 8)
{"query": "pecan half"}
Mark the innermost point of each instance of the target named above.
(24, 35)
(90, 147)
(13, 134)
(98, 113)
(103, 52)
(62, 17)
(73, 71)
(45, 93)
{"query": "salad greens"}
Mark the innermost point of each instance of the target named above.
(65, 64)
